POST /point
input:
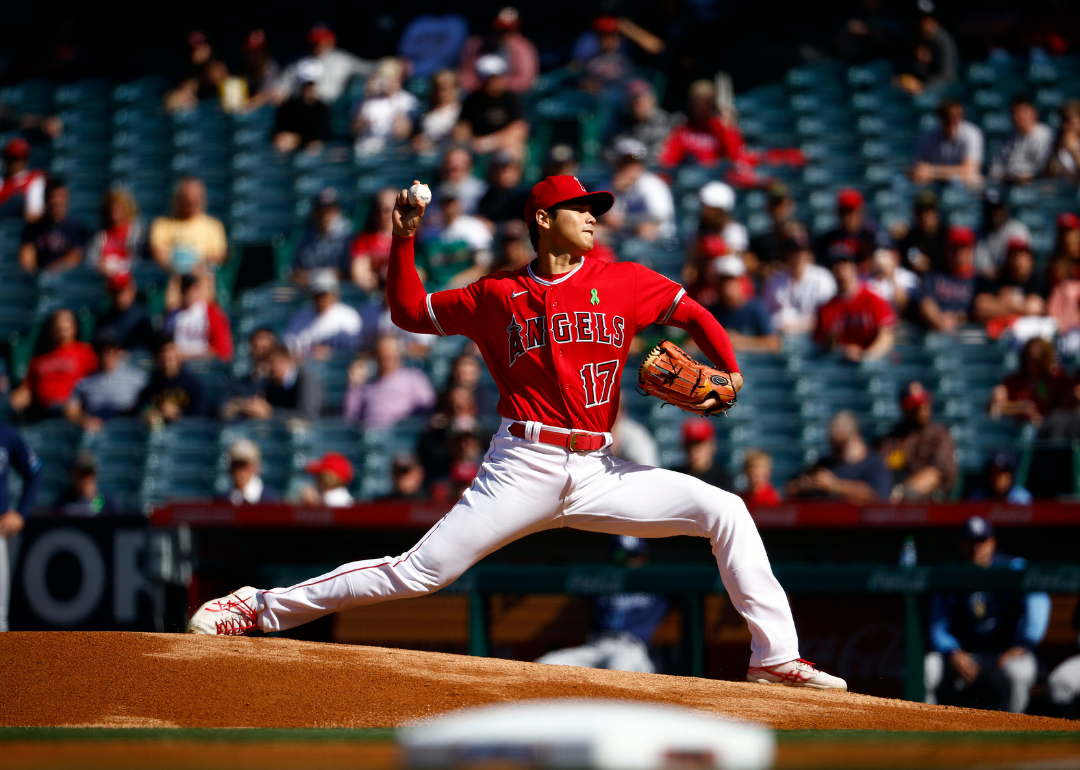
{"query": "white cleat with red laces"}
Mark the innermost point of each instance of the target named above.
(232, 615)
(795, 673)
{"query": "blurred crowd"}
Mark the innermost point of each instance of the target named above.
(464, 100)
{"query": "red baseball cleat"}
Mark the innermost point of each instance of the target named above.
(232, 615)
(795, 673)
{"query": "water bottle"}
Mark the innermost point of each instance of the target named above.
(908, 555)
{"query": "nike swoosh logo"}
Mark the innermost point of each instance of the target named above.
(518, 294)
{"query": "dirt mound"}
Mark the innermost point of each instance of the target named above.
(171, 680)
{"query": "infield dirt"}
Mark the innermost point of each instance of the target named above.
(173, 680)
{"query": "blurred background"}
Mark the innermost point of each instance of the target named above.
(878, 200)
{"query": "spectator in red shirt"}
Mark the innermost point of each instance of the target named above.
(199, 327)
(122, 239)
(55, 372)
(506, 40)
(706, 136)
(22, 190)
(856, 321)
(1038, 388)
(370, 249)
(758, 470)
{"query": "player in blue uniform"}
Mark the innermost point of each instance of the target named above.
(16, 455)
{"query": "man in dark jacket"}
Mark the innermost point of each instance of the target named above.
(985, 636)
(174, 391)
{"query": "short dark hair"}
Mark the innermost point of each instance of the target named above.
(280, 350)
(55, 183)
(162, 339)
(534, 229)
(1022, 98)
(947, 104)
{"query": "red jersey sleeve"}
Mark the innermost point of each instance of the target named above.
(456, 311)
(656, 296)
(89, 359)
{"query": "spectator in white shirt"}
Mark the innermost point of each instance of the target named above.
(327, 325)
(953, 151)
(245, 466)
(794, 295)
(998, 229)
(632, 441)
(386, 112)
(1023, 158)
(890, 279)
(338, 68)
(437, 124)
(644, 207)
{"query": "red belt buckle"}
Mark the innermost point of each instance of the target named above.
(573, 439)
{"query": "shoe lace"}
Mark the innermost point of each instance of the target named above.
(241, 617)
(803, 663)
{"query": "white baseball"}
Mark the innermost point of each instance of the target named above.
(419, 193)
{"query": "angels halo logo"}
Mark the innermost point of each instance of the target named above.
(716, 379)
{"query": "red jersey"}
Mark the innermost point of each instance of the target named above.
(53, 375)
(23, 194)
(854, 319)
(706, 145)
(557, 347)
(375, 246)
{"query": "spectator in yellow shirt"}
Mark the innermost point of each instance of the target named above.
(189, 238)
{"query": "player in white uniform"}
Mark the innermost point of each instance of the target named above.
(555, 336)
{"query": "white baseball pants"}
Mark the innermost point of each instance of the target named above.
(1063, 684)
(526, 487)
(1013, 681)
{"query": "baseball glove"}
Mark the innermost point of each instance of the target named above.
(672, 376)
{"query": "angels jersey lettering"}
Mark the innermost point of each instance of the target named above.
(557, 346)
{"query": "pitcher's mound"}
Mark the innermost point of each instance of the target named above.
(172, 680)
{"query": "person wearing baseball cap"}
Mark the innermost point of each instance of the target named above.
(22, 192)
(999, 483)
(82, 498)
(521, 56)
(325, 242)
(112, 391)
(604, 62)
(857, 322)
(1017, 291)
(918, 451)
(245, 466)
(1065, 262)
(855, 228)
(794, 294)
(746, 320)
(327, 324)
(339, 67)
(126, 316)
(998, 228)
(333, 472)
(303, 122)
(948, 295)
(983, 636)
(922, 248)
(493, 117)
(699, 446)
(643, 120)
(644, 207)
(765, 247)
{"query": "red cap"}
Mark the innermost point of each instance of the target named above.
(1068, 221)
(697, 429)
(914, 397)
(508, 18)
(848, 199)
(335, 463)
(17, 149)
(1017, 243)
(560, 189)
(605, 25)
(118, 281)
(196, 38)
(320, 33)
(961, 236)
(256, 41)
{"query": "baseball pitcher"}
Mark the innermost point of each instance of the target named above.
(555, 335)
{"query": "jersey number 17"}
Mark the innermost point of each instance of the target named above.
(598, 379)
